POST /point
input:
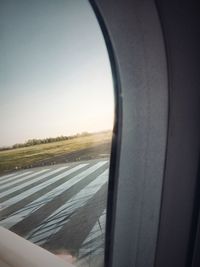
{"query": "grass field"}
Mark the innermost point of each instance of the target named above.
(80, 148)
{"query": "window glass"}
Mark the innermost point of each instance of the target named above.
(56, 120)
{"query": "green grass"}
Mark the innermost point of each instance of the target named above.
(27, 156)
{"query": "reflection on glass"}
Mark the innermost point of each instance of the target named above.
(56, 117)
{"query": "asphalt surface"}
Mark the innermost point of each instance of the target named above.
(61, 207)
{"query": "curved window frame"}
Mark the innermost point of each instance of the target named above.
(134, 39)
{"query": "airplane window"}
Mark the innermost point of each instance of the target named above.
(56, 120)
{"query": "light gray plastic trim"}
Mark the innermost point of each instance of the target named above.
(137, 42)
(15, 251)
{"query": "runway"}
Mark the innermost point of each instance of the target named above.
(58, 207)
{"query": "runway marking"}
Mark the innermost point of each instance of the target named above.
(29, 183)
(56, 205)
(74, 231)
(14, 176)
(21, 214)
(59, 217)
(94, 242)
(7, 176)
(28, 192)
(14, 184)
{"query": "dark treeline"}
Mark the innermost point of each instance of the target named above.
(33, 142)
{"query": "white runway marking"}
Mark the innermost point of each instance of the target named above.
(14, 176)
(59, 217)
(95, 240)
(35, 205)
(19, 187)
(93, 244)
(33, 190)
(7, 175)
(13, 183)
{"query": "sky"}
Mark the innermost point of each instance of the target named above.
(55, 75)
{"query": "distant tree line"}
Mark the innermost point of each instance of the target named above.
(33, 142)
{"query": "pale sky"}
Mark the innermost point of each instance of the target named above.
(55, 76)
